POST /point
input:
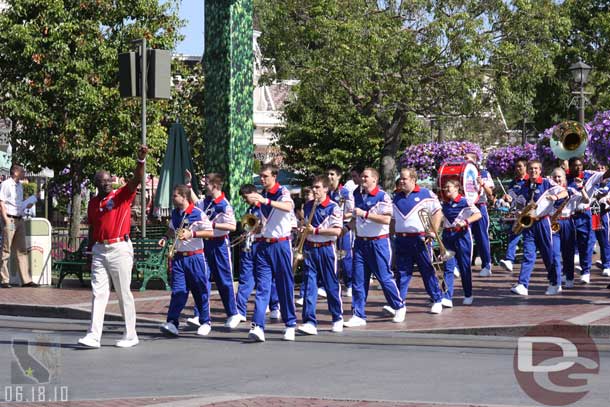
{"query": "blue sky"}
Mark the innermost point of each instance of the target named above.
(192, 12)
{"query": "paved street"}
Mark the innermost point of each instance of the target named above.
(224, 367)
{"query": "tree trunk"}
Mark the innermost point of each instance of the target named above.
(391, 135)
(75, 215)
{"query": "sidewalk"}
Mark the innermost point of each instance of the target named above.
(496, 311)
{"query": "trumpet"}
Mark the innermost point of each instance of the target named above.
(249, 224)
(443, 254)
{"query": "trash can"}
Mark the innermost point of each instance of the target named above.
(38, 243)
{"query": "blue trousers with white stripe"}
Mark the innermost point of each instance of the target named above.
(480, 233)
(321, 263)
(189, 274)
(346, 263)
(218, 257)
(246, 283)
(563, 252)
(461, 243)
(410, 250)
(537, 236)
(373, 257)
(511, 249)
(584, 236)
(274, 260)
(602, 236)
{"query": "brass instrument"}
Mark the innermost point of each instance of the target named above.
(554, 223)
(569, 139)
(443, 254)
(177, 235)
(298, 255)
(341, 253)
(526, 218)
(249, 224)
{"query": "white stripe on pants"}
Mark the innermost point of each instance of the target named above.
(114, 260)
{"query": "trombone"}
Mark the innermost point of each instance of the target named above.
(443, 254)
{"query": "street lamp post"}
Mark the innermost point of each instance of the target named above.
(580, 72)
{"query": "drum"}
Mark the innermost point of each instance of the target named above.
(466, 173)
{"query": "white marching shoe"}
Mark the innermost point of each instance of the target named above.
(585, 278)
(275, 314)
(520, 289)
(289, 333)
(233, 321)
(485, 272)
(127, 342)
(89, 341)
(308, 328)
(507, 264)
(354, 322)
(400, 315)
(447, 303)
(256, 334)
(194, 321)
(389, 310)
(553, 290)
(337, 326)
(606, 272)
(437, 308)
(204, 330)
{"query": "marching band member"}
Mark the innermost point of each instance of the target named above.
(273, 255)
(188, 225)
(577, 179)
(480, 229)
(563, 239)
(246, 263)
(514, 189)
(372, 252)
(320, 261)
(410, 243)
(538, 236)
(345, 199)
(459, 215)
(217, 247)
(602, 234)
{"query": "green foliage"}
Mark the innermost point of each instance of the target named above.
(58, 70)
(29, 189)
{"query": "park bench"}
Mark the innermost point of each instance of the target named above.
(74, 262)
(150, 261)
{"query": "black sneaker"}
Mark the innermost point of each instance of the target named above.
(5, 285)
(31, 284)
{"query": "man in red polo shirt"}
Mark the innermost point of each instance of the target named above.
(109, 216)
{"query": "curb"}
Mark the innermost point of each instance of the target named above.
(54, 311)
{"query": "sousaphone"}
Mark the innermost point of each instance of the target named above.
(569, 139)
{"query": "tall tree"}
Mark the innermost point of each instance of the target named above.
(59, 82)
(388, 62)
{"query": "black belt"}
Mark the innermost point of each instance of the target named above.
(15, 217)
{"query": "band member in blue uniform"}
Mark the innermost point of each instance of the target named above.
(563, 238)
(538, 236)
(246, 262)
(320, 258)
(188, 225)
(345, 199)
(602, 234)
(514, 189)
(480, 229)
(273, 255)
(410, 245)
(459, 215)
(217, 248)
(577, 179)
(372, 251)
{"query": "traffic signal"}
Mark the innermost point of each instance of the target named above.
(157, 77)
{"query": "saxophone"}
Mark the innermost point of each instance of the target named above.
(527, 216)
(554, 223)
(298, 256)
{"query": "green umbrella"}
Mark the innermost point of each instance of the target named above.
(177, 160)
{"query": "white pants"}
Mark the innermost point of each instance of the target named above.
(114, 260)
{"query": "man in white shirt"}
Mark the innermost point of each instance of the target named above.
(13, 230)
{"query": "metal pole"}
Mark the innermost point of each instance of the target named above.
(523, 134)
(143, 88)
(581, 112)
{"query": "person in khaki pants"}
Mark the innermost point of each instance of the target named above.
(13, 228)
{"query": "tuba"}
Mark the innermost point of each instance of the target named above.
(569, 139)
(443, 254)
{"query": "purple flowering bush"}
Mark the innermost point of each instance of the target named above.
(501, 161)
(427, 158)
(599, 137)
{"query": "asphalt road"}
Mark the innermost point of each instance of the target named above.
(360, 366)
